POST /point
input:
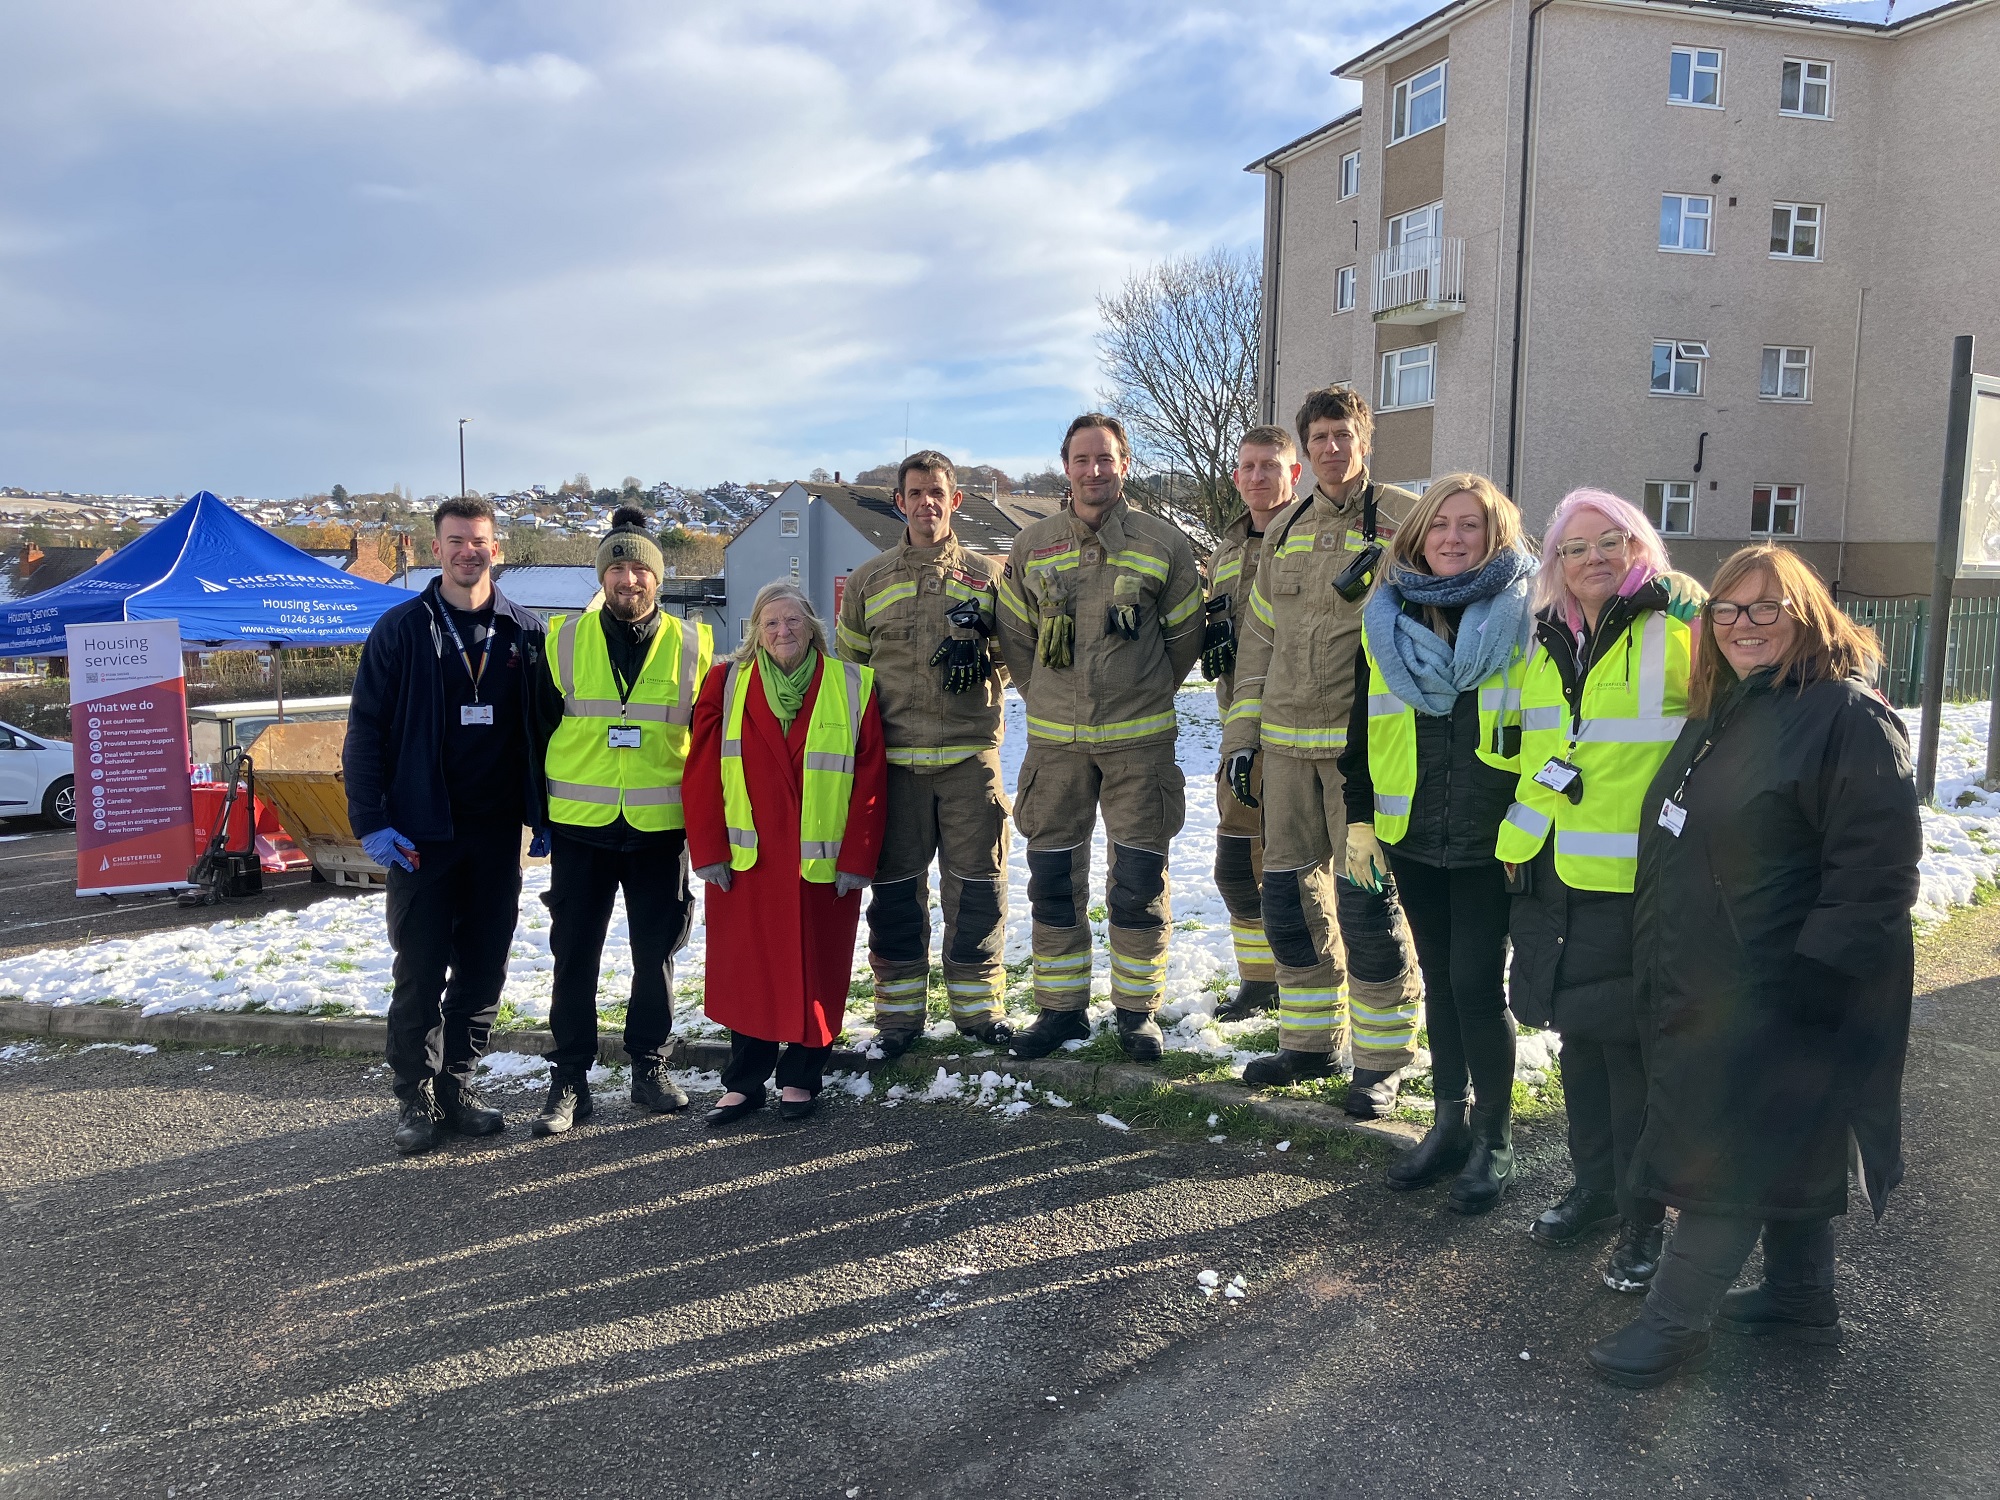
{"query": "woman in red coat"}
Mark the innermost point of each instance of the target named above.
(780, 945)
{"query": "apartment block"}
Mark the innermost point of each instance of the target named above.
(1710, 256)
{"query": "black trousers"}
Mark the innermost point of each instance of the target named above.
(1604, 1089)
(451, 922)
(1458, 922)
(1708, 1250)
(584, 880)
(751, 1059)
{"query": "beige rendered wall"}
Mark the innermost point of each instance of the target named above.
(1314, 345)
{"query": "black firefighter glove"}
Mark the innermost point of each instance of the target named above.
(964, 663)
(1218, 641)
(1236, 771)
(1123, 616)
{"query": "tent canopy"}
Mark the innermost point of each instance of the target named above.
(228, 581)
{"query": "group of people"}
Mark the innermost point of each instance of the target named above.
(1578, 790)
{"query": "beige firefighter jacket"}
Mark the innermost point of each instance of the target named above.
(892, 618)
(1232, 571)
(1116, 692)
(1295, 666)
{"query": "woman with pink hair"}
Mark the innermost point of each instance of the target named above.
(1603, 695)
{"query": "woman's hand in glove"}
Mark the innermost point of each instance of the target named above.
(719, 876)
(1367, 865)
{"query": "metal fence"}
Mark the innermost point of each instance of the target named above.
(1903, 625)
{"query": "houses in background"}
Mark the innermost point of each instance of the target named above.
(1710, 256)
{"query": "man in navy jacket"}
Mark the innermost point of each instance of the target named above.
(441, 776)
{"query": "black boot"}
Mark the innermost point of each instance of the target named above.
(1139, 1034)
(1758, 1311)
(567, 1104)
(1051, 1029)
(1440, 1153)
(420, 1126)
(1636, 1256)
(463, 1109)
(993, 1033)
(1649, 1351)
(893, 1044)
(652, 1089)
(1574, 1215)
(1371, 1094)
(1489, 1171)
(1252, 998)
(1287, 1066)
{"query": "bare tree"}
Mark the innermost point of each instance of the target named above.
(1179, 348)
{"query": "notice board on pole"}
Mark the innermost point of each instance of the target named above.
(128, 727)
(1979, 521)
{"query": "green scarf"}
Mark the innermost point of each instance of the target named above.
(783, 690)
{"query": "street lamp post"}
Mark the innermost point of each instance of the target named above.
(461, 456)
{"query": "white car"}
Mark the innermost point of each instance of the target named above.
(36, 776)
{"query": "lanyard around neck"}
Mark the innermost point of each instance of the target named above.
(465, 656)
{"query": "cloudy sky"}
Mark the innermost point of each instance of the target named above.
(264, 246)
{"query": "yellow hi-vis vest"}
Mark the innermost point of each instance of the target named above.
(832, 733)
(1632, 707)
(590, 783)
(1392, 739)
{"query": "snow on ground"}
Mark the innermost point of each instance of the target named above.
(334, 957)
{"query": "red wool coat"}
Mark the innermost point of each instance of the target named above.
(780, 947)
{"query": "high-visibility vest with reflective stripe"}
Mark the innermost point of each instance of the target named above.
(1634, 702)
(1392, 739)
(832, 735)
(591, 784)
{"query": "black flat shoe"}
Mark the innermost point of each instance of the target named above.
(797, 1109)
(1573, 1216)
(1648, 1352)
(728, 1114)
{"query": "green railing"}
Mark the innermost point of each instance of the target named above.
(1903, 625)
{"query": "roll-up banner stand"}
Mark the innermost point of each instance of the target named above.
(128, 727)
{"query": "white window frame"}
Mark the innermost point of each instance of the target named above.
(1690, 352)
(1430, 218)
(1661, 496)
(1705, 216)
(788, 523)
(1695, 67)
(1417, 86)
(1797, 502)
(1785, 365)
(1806, 81)
(1350, 175)
(1343, 288)
(1816, 217)
(1397, 363)
(795, 570)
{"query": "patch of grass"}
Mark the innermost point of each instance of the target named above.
(1099, 914)
(1264, 1039)
(1190, 925)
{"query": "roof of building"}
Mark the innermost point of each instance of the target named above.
(1310, 138)
(537, 586)
(871, 510)
(30, 569)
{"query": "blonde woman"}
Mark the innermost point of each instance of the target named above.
(1430, 772)
(785, 792)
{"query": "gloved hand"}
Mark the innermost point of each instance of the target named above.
(387, 847)
(964, 662)
(538, 846)
(1056, 640)
(1236, 771)
(845, 884)
(1685, 597)
(967, 615)
(1218, 649)
(1123, 616)
(719, 876)
(1367, 865)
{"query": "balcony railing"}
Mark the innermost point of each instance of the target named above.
(1420, 281)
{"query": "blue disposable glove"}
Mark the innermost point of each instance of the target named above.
(1685, 597)
(387, 847)
(538, 846)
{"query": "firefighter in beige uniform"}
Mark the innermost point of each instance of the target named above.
(1294, 688)
(1267, 467)
(922, 614)
(1100, 620)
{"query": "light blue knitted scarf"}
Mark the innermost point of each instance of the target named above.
(1419, 667)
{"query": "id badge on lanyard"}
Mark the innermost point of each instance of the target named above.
(474, 712)
(1562, 777)
(623, 737)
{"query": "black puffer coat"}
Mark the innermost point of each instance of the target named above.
(1773, 953)
(1460, 800)
(1572, 967)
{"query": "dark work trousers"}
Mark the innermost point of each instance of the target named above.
(1458, 921)
(583, 882)
(451, 922)
(1604, 1091)
(751, 1059)
(1708, 1250)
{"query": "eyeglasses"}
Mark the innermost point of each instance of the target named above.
(1763, 612)
(1609, 545)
